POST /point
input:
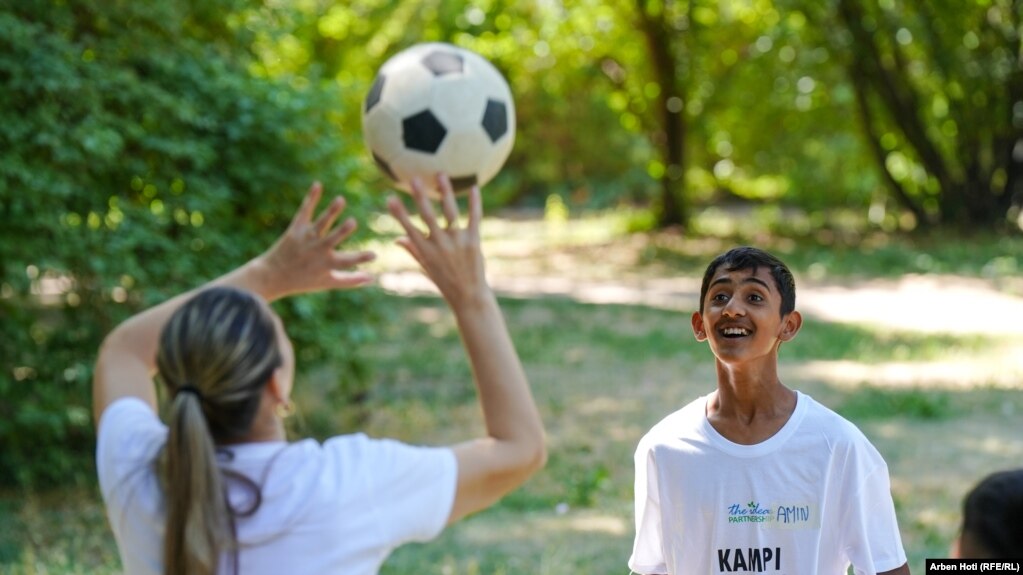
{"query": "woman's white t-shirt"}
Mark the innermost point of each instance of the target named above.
(337, 507)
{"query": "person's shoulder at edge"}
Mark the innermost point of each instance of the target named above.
(129, 429)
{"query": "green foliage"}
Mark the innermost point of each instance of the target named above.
(140, 158)
(771, 111)
(828, 341)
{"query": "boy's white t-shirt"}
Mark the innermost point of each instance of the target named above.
(337, 507)
(813, 498)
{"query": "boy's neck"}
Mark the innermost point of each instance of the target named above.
(749, 406)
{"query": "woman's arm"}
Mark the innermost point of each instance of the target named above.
(514, 445)
(303, 259)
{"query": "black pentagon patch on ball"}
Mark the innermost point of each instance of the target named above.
(463, 183)
(441, 62)
(423, 132)
(384, 167)
(374, 92)
(495, 120)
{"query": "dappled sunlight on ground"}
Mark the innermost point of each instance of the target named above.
(1004, 370)
(933, 304)
(591, 263)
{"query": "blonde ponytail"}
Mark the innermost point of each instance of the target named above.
(197, 515)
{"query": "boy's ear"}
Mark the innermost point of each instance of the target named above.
(698, 329)
(790, 325)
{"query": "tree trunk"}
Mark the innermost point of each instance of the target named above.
(1012, 146)
(881, 156)
(671, 137)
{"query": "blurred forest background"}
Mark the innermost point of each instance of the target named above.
(158, 144)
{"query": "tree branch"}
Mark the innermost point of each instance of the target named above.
(899, 97)
(880, 155)
(673, 122)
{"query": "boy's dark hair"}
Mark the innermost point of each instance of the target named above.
(991, 512)
(747, 258)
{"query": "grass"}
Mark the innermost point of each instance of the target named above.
(819, 340)
(605, 373)
(59, 532)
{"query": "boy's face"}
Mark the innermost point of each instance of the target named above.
(741, 316)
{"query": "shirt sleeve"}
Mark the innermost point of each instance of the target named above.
(872, 531)
(648, 548)
(413, 489)
(129, 434)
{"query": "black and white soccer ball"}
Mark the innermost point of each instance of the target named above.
(435, 108)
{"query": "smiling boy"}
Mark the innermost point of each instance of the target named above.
(756, 477)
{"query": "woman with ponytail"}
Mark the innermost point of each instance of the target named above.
(216, 488)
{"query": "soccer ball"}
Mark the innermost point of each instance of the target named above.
(434, 108)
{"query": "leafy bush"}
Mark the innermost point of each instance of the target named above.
(139, 158)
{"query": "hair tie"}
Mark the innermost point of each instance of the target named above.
(188, 389)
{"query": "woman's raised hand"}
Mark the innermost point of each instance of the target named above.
(449, 254)
(306, 259)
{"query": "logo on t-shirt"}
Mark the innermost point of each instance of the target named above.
(779, 516)
(751, 512)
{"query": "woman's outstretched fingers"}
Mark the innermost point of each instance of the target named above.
(329, 216)
(343, 261)
(425, 207)
(304, 214)
(309, 257)
(342, 232)
(411, 248)
(399, 212)
(475, 211)
(448, 202)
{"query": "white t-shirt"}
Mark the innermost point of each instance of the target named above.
(812, 499)
(339, 507)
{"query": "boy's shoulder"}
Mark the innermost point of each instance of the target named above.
(842, 437)
(681, 423)
(687, 425)
(821, 417)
